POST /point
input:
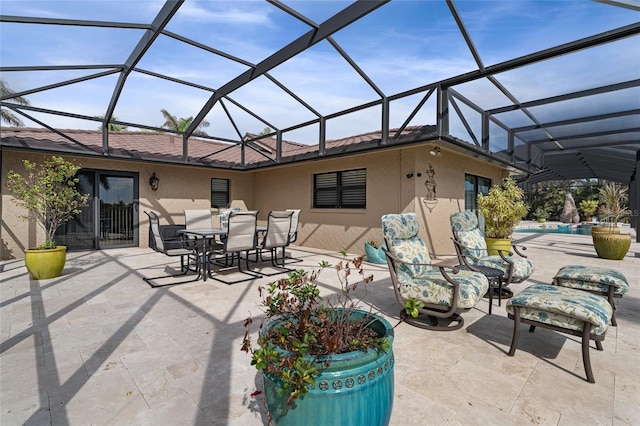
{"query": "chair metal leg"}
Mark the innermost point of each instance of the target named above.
(516, 330)
(183, 271)
(586, 334)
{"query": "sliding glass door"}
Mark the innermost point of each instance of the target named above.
(111, 218)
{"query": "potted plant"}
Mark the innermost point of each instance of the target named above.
(608, 242)
(540, 214)
(48, 192)
(374, 252)
(503, 208)
(323, 361)
(588, 208)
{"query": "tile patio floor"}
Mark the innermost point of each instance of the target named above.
(99, 346)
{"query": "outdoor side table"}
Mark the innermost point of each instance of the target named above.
(495, 277)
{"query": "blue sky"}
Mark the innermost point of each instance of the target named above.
(402, 45)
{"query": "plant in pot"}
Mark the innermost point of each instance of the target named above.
(503, 208)
(323, 361)
(608, 242)
(541, 214)
(48, 192)
(588, 208)
(373, 250)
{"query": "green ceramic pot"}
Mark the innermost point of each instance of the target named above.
(496, 244)
(611, 246)
(43, 264)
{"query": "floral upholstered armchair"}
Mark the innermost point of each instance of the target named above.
(435, 294)
(471, 249)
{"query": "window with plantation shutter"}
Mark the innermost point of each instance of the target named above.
(219, 193)
(340, 190)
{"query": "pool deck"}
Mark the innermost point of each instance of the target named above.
(99, 346)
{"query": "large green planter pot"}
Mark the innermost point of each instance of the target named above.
(495, 244)
(356, 389)
(375, 255)
(611, 246)
(606, 229)
(45, 264)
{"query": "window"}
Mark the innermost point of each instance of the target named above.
(219, 193)
(474, 185)
(340, 190)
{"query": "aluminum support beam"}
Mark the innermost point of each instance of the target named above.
(338, 21)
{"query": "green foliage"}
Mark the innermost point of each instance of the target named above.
(541, 213)
(6, 116)
(181, 124)
(300, 327)
(588, 207)
(412, 305)
(112, 127)
(502, 208)
(550, 195)
(613, 198)
(49, 193)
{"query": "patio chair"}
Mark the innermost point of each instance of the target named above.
(197, 218)
(277, 236)
(200, 219)
(293, 233)
(445, 292)
(471, 249)
(173, 247)
(241, 237)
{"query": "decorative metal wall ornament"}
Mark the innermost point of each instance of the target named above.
(430, 200)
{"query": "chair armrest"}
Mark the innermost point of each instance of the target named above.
(443, 269)
(517, 248)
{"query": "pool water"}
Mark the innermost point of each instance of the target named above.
(557, 230)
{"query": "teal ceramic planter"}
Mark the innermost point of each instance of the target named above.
(356, 389)
(375, 255)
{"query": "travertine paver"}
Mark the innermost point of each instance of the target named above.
(99, 346)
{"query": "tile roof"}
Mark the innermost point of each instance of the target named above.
(167, 147)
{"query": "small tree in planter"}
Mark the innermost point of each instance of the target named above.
(317, 354)
(48, 191)
(608, 242)
(588, 208)
(503, 208)
(541, 214)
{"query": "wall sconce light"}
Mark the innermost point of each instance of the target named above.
(154, 182)
(436, 152)
(409, 175)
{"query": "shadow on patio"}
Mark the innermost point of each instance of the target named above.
(98, 345)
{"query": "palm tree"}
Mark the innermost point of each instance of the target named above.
(180, 125)
(5, 115)
(112, 127)
(266, 131)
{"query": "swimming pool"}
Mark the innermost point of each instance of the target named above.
(556, 230)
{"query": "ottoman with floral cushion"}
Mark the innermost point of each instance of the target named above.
(563, 309)
(605, 281)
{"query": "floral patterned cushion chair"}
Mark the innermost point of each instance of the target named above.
(471, 249)
(567, 310)
(437, 294)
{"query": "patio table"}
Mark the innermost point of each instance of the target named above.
(495, 277)
(208, 235)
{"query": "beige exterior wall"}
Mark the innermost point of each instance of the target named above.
(180, 188)
(388, 191)
(287, 187)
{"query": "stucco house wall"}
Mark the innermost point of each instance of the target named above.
(389, 190)
(180, 188)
